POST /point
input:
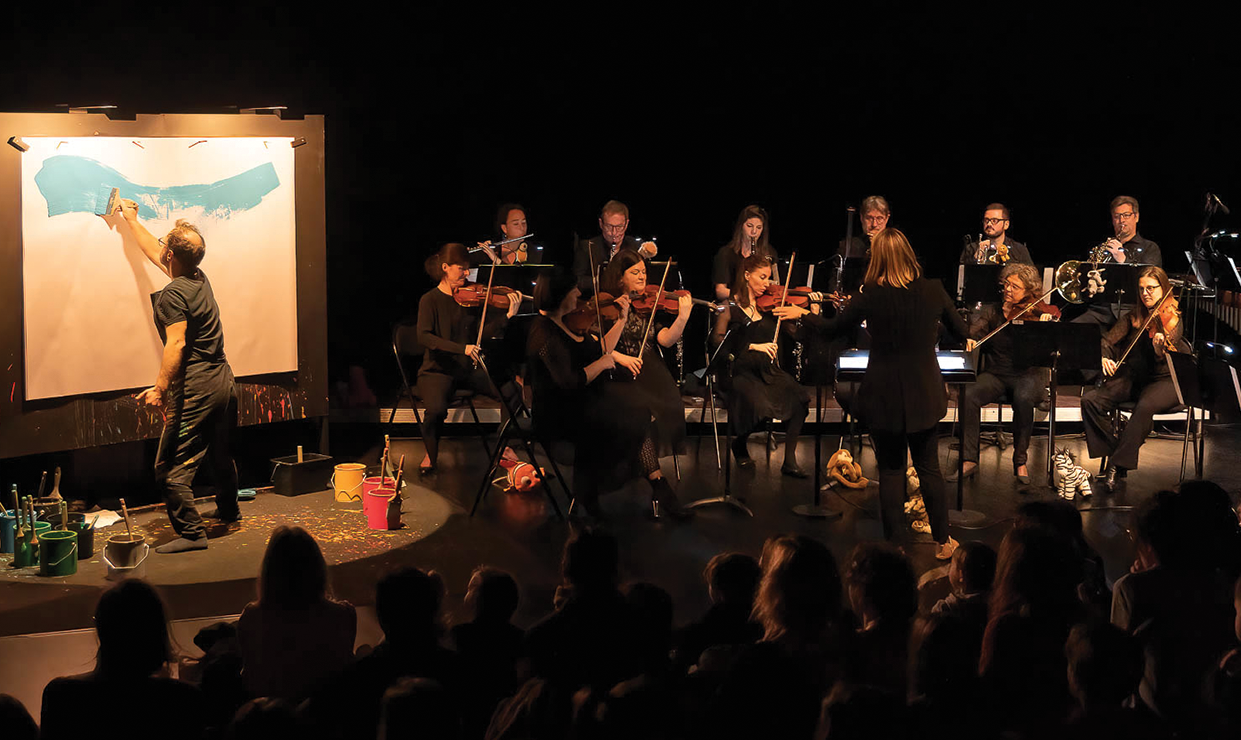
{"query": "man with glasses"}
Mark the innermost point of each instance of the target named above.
(996, 247)
(875, 214)
(1128, 246)
(613, 223)
(194, 387)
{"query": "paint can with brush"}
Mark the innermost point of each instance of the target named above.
(84, 527)
(126, 554)
(8, 523)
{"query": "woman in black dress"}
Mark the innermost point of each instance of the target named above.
(902, 396)
(654, 387)
(751, 236)
(573, 405)
(759, 389)
(449, 332)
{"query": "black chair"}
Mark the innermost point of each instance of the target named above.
(405, 344)
(1120, 415)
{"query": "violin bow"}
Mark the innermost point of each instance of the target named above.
(1020, 313)
(482, 319)
(1145, 326)
(784, 298)
(651, 320)
(594, 281)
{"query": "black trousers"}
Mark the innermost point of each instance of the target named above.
(197, 427)
(1023, 391)
(923, 448)
(1154, 396)
(436, 391)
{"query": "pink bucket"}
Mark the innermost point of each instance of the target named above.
(375, 506)
(374, 481)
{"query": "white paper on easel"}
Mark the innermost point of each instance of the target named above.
(87, 285)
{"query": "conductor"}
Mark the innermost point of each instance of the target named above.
(194, 387)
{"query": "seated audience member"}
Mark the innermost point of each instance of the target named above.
(1225, 685)
(16, 721)
(589, 640)
(732, 579)
(218, 672)
(295, 635)
(265, 719)
(1062, 518)
(970, 575)
(134, 650)
(416, 708)
(775, 688)
(1105, 667)
(644, 706)
(489, 646)
(1219, 527)
(884, 594)
(1034, 605)
(407, 604)
(945, 677)
(1178, 605)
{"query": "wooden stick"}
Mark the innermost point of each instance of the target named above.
(400, 470)
(20, 512)
(651, 321)
(128, 527)
(64, 515)
(785, 297)
(34, 532)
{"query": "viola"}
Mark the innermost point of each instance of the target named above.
(667, 301)
(1169, 315)
(774, 296)
(1040, 309)
(580, 319)
(472, 295)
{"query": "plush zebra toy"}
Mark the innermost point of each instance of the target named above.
(1070, 477)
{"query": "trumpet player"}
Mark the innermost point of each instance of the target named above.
(994, 245)
(1127, 246)
(1142, 375)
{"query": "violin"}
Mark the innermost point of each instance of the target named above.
(1169, 315)
(667, 301)
(580, 319)
(774, 296)
(1040, 309)
(472, 295)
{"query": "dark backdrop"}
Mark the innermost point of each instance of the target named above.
(436, 114)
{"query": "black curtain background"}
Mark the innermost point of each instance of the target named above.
(437, 113)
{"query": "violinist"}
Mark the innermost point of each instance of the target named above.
(575, 406)
(996, 247)
(654, 387)
(1143, 376)
(751, 235)
(902, 398)
(760, 389)
(1020, 285)
(449, 332)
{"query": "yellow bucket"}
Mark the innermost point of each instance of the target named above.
(347, 480)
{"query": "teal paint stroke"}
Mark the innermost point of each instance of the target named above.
(72, 184)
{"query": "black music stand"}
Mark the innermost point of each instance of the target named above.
(817, 510)
(717, 363)
(1122, 282)
(519, 276)
(978, 283)
(1058, 345)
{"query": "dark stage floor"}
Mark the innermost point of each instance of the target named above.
(518, 532)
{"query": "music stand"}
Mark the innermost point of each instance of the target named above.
(718, 362)
(1203, 383)
(520, 276)
(817, 510)
(1122, 282)
(1058, 345)
(978, 283)
(847, 280)
(1216, 272)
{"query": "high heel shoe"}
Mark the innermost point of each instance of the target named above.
(664, 501)
(1022, 479)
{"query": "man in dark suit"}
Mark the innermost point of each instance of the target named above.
(613, 223)
(995, 228)
(874, 214)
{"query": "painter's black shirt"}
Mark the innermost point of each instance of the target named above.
(191, 300)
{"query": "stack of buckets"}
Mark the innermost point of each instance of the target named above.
(57, 551)
(376, 494)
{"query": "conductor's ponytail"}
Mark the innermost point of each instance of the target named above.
(452, 253)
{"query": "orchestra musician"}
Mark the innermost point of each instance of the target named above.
(599, 250)
(1127, 246)
(902, 396)
(751, 235)
(511, 224)
(759, 388)
(875, 214)
(449, 333)
(576, 406)
(654, 387)
(1144, 376)
(1020, 285)
(997, 247)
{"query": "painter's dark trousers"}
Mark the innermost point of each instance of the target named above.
(197, 426)
(1156, 396)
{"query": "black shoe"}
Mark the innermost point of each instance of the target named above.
(182, 545)
(1022, 479)
(664, 502)
(742, 455)
(969, 473)
(228, 517)
(1114, 478)
(794, 471)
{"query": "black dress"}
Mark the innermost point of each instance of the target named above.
(654, 388)
(759, 388)
(605, 430)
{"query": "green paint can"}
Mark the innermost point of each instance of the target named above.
(58, 553)
(24, 554)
